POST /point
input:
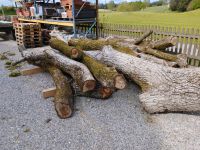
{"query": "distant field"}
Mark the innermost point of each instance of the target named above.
(153, 16)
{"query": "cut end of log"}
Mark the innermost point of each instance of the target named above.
(105, 92)
(74, 53)
(120, 82)
(63, 110)
(89, 85)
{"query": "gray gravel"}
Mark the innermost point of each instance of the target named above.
(28, 122)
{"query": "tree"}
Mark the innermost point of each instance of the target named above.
(179, 5)
(111, 5)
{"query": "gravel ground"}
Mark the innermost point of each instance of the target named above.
(28, 122)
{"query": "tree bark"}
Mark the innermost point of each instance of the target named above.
(164, 43)
(69, 51)
(78, 71)
(107, 76)
(180, 59)
(164, 88)
(63, 99)
(144, 36)
(88, 45)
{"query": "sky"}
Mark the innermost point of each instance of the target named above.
(8, 2)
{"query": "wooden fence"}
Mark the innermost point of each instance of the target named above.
(188, 38)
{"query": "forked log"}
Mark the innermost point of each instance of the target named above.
(164, 43)
(144, 36)
(164, 88)
(107, 76)
(63, 98)
(78, 71)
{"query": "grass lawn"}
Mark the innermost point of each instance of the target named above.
(153, 16)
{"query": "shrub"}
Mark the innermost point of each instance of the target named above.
(194, 4)
(179, 5)
(132, 6)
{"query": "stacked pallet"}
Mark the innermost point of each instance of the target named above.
(28, 35)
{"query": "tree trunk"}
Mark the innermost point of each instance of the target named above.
(69, 51)
(164, 43)
(78, 71)
(63, 99)
(88, 45)
(144, 36)
(164, 88)
(180, 59)
(107, 76)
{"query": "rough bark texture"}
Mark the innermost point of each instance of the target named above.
(78, 71)
(69, 51)
(164, 43)
(88, 45)
(164, 88)
(180, 59)
(63, 99)
(107, 76)
(144, 36)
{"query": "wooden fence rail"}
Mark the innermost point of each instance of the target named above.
(188, 38)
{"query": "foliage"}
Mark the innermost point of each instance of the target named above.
(194, 4)
(179, 5)
(8, 10)
(131, 6)
(111, 5)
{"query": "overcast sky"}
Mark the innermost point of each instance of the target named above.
(8, 2)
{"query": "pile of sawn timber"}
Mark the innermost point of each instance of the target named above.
(97, 68)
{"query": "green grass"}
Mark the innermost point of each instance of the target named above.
(157, 9)
(151, 16)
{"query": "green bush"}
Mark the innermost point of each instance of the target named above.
(194, 4)
(132, 6)
(179, 5)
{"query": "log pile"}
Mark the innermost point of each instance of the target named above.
(97, 68)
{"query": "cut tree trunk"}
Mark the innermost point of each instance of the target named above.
(88, 45)
(78, 71)
(63, 99)
(144, 36)
(164, 43)
(69, 51)
(107, 76)
(164, 88)
(180, 59)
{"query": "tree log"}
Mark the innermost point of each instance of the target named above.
(164, 43)
(69, 51)
(88, 45)
(107, 76)
(63, 99)
(78, 71)
(144, 36)
(180, 59)
(164, 88)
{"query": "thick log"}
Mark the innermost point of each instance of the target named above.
(164, 43)
(180, 59)
(63, 98)
(88, 45)
(69, 51)
(164, 88)
(78, 71)
(144, 36)
(107, 76)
